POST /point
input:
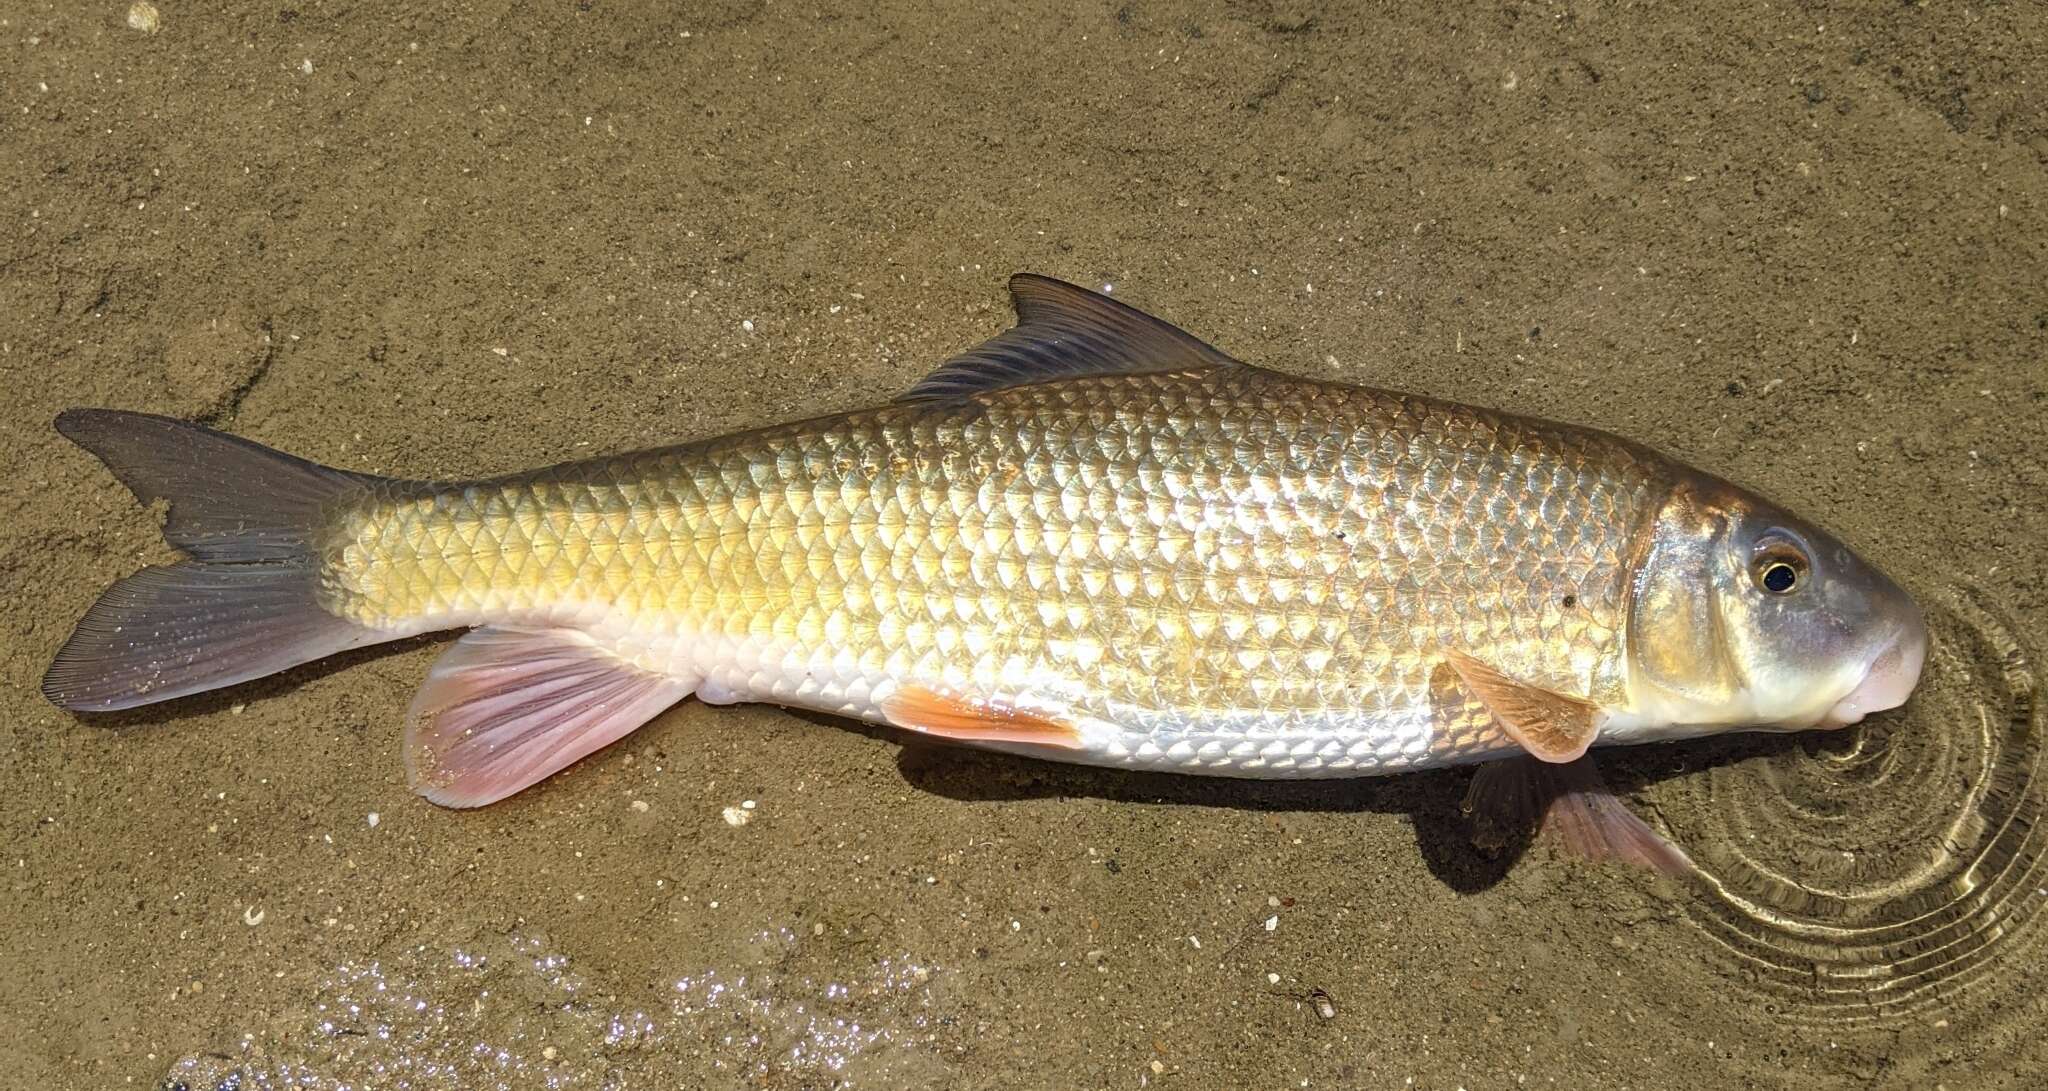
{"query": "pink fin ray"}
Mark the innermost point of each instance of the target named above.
(504, 709)
(1569, 805)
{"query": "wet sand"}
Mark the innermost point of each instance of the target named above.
(1805, 247)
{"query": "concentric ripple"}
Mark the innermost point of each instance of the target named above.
(1884, 870)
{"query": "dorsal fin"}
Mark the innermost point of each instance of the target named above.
(1064, 331)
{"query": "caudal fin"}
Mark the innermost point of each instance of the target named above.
(245, 605)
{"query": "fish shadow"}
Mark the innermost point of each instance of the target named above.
(1432, 801)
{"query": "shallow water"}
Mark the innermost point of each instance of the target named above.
(1802, 247)
(1893, 876)
(506, 1011)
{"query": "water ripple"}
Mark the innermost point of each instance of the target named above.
(1885, 871)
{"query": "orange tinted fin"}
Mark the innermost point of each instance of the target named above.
(1549, 725)
(970, 719)
(1571, 807)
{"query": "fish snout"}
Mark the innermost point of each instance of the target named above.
(1887, 682)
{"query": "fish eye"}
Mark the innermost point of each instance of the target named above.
(1778, 566)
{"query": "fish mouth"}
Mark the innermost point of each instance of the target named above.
(1886, 683)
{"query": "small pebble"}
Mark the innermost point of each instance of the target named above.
(252, 916)
(1158, 1068)
(144, 17)
(547, 1053)
(1272, 979)
(1272, 923)
(735, 816)
(640, 805)
(306, 66)
(374, 819)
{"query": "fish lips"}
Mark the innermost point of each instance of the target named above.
(1886, 683)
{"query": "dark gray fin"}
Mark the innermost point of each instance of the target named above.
(245, 606)
(1064, 331)
(230, 499)
(1568, 805)
(181, 629)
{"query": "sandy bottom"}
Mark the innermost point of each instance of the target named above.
(1804, 246)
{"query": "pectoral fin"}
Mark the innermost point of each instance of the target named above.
(975, 719)
(1550, 726)
(1569, 805)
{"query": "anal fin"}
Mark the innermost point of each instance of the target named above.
(971, 719)
(504, 709)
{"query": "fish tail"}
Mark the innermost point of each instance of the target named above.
(247, 602)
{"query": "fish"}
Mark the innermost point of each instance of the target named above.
(1092, 539)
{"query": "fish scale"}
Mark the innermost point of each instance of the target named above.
(1219, 570)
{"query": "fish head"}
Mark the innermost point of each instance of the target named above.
(1743, 615)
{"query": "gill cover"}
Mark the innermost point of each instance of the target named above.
(1677, 639)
